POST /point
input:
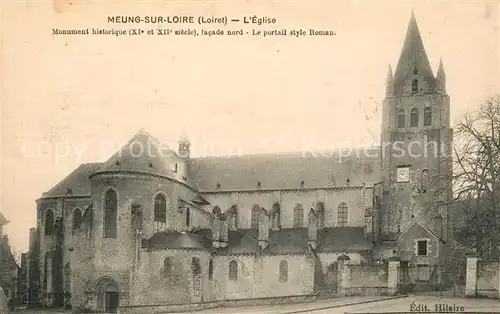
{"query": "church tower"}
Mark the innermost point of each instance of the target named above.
(416, 143)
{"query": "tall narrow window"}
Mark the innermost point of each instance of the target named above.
(401, 118)
(110, 212)
(211, 269)
(160, 208)
(49, 222)
(415, 70)
(414, 118)
(425, 181)
(188, 217)
(196, 271)
(233, 270)
(77, 218)
(298, 216)
(283, 271)
(427, 116)
(414, 86)
(255, 217)
(167, 268)
(342, 215)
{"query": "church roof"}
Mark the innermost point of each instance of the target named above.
(145, 154)
(232, 173)
(77, 182)
(178, 240)
(295, 240)
(413, 54)
(285, 171)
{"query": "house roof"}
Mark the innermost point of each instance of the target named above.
(78, 181)
(285, 171)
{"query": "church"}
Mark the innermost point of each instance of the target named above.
(150, 227)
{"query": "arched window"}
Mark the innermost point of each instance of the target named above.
(342, 215)
(414, 86)
(283, 271)
(255, 217)
(160, 208)
(298, 216)
(233, 270)
(401, 118)
(110, 212)
(414, 118)
(77, 218)
(425, 181)
(167, 268)
(49, 222)
(188, 216)
(415, 70)
(427, 116)
(211, 269)
(216, 210)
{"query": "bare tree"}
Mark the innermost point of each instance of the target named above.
(477, 178)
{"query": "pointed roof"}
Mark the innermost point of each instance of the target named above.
(440, 72)
(413, 54)
(77, 183)
(3, 220)
(145, 154)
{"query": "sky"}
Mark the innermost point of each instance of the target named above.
(67, 100)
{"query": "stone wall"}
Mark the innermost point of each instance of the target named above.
(367, 279)
(487, 278)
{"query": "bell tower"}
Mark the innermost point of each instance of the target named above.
(416, 142)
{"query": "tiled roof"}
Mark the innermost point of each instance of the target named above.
(295, 240)
(413, 53)
(285, 171)
(342, 239)
(78, 181)
(178, 240)
(145, 154)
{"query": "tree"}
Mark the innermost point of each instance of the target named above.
(477, 179)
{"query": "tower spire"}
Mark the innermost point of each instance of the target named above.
(413, 60)
(389, 82)
(441, 78)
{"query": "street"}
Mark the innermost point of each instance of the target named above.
(352, 305)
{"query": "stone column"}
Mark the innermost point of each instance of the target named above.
(344, 275)
(393, 273)
(471, 276)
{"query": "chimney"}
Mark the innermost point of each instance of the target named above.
(263, 229)
(312, 230)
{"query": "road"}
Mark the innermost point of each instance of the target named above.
(343, 305)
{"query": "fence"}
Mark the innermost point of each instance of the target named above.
(487, 278)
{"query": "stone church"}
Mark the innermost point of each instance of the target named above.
(149, 228)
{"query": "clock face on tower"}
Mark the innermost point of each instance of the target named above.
(403, 174)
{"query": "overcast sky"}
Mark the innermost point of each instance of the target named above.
(226, 94)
